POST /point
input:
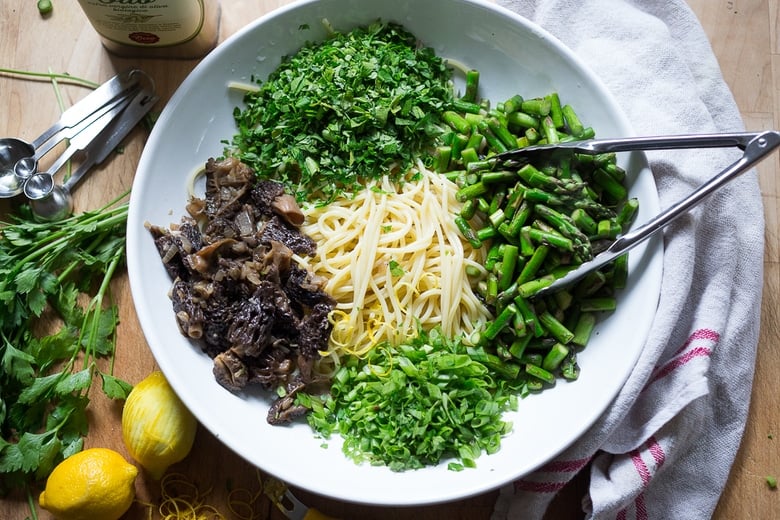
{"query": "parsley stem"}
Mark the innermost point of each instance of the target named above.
(31, 502)
(64, 235)
(61, 103)
(92, 320)
(66, 78)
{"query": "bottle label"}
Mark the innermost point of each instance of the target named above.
(145, 23)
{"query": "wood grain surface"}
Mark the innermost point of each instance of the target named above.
(744, 36)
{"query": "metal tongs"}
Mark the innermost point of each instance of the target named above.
(755, 146)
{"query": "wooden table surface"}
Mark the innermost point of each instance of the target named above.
(744, 35)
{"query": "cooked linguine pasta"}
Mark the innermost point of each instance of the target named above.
(395, 261)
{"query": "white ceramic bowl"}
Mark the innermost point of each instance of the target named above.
(513, 56)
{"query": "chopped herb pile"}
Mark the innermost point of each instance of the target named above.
(416, 404)
(45, 379)
(344, 110)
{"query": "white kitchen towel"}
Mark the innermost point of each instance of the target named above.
(665, 446)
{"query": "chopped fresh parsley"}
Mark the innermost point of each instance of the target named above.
(354, 107)
(395, 269)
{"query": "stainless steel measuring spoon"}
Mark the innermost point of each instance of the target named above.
(756, 149)
(35, 183)
(13, 149)
(26, 166)
(54, 201)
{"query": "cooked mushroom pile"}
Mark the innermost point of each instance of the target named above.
(237, 289)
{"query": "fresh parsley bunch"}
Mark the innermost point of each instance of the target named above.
(49, 270)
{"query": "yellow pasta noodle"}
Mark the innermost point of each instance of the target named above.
(394, 258)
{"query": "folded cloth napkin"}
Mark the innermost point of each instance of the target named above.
(665, 446)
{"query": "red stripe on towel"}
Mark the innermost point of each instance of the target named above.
(656, 451)
(680, 361)
(641, 467)
(556, 466)
(707, 334)
(683, 357)
(641, 507)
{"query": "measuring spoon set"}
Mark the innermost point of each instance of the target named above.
(93, 127)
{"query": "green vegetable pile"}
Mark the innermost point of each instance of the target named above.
(412, 405)
(541, 221)
(350, 108)
(48, 268)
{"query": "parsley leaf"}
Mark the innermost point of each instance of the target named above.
(395, 269)
(114, 387)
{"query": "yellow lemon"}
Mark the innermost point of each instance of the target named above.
(94, 483)
(157, 428)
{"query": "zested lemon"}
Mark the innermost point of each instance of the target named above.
(157, 428)
(91, 484)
